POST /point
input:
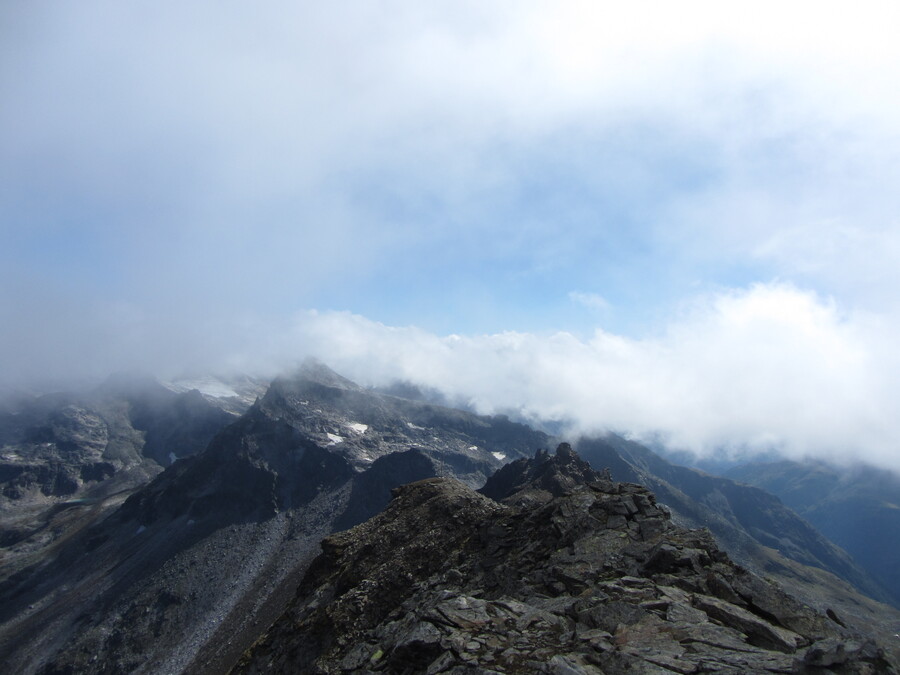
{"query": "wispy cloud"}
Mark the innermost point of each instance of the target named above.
(593, 301)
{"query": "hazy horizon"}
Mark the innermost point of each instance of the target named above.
(679, 221)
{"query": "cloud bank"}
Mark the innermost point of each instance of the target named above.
(768, 369)
(673, 219)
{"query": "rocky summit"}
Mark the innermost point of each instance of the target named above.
(553, 568)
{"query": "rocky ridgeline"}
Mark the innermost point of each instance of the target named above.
(555, 568)
(69, 445)
(363, 425)
(184, 574)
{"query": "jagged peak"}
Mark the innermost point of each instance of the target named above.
(542, 477)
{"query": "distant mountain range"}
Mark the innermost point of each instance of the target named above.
(151, 528)
(181, 574)
(858, 508)
(758, 531)
(66, 458)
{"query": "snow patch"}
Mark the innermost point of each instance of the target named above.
(499, 455)
(357, 427)
(334, 439)
(172, 458)
(473, 447)
(414, 426)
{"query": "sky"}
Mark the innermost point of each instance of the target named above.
(679, 221)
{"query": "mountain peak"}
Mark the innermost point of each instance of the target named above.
(312, 380)
(541, 478)
(314, 371)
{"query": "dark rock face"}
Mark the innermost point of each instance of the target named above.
(371, 489)
(541, 478)
(62, 444)
(590, 577)
(363, 425)
(189, 569)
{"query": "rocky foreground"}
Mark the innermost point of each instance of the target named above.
(555, 568)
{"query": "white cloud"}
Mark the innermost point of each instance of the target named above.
(592, 301)
(177, 181)
(768, 368)
(219, 127)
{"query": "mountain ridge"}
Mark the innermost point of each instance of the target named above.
(569, 573)
(856, 507)
(250, 509)
(742, 517)
(185, 572)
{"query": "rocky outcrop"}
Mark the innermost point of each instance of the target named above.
(569, 573)
(188, 570)
(746, 521)
(363, 425)
(65, 445)
(540, 479)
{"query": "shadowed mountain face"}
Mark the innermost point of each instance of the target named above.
(60, 445)
(184, 573)
(189, 569)
(540, 478)
(759, 532)
(858, 508)
(67, 459)
(743, 518)
(570, 573)
(363, 425)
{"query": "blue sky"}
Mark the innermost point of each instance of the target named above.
(485, 197)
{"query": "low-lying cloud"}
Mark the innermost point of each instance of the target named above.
(770, 368)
